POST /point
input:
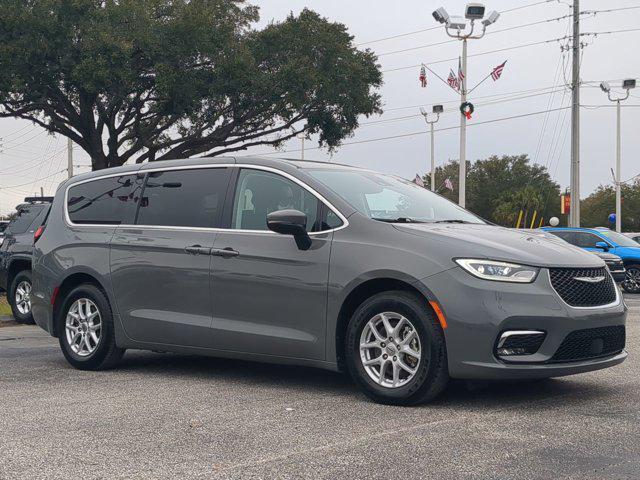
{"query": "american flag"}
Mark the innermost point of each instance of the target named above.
(448, 184)
(495, 74)
(423, 76)
(460, 73)
(418, 181)
(453, 81)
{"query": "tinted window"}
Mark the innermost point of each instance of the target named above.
(24, 218)
(107, 201)
(566, 236)
(184, 198)
(587, 240)
(260, 193)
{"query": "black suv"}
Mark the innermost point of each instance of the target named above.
(16, 252)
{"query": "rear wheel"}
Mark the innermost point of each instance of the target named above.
(19, 297)
(395, 349)
(85, 330)
(631, 283)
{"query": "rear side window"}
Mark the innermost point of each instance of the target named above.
(184, 198)
(24, 218)
(107, 201)
(567, 236)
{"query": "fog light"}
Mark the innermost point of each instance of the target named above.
(519, 342)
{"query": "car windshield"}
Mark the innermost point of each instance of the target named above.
(391, 199)
(618, 238)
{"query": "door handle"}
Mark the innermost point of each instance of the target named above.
(224, 252)
(197, 250)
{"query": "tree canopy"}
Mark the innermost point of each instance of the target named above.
(147, 80)
(498, 188)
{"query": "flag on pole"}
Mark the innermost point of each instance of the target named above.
(448, 184)
(460, 73)
(452, 80)
(423, 76)
(496, 72)
(418, 181)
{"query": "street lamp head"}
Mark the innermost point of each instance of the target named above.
(629, 83)
(474, 11)
(604, 86)
(491, 18)
(438, 109)
(441, 15)
(457, 23)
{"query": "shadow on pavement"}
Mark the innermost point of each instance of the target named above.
(578, 389)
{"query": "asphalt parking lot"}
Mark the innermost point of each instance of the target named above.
(172, 416)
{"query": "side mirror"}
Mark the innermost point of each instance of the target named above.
(290, 222)
(603, 245)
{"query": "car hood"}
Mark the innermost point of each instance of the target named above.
(628, 253)
(499, 243)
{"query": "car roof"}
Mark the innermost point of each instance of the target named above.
(286, 163)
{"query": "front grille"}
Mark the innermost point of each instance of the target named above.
(582, 293)
(590, 343)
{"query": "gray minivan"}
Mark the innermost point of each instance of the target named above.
(315, 264)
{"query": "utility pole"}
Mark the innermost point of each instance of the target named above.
(437, 110)
(574, 206)
(627, 85)
(301, 137)
(41, 191)
(69, 157)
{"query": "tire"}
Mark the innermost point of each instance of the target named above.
(88, 354)
(631, 283)
(18, 298)
(431, 373)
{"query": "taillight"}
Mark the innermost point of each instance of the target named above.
(38, 233)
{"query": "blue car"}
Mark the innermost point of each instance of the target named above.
(603, 239)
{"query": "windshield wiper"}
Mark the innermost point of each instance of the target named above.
(397, 220)
(451, 221)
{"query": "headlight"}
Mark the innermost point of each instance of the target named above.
(500, 271)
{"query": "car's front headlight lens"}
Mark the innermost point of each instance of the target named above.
(499, 271)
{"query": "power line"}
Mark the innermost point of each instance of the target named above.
(34, 181)
(392, 37)
(422, 132)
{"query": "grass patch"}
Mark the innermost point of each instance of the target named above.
(5, 309)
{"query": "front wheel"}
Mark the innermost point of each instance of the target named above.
(86, 331)
(631, 283)
(395, 349)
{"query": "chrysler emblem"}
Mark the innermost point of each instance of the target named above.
(590, 279)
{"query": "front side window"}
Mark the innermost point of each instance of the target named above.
(184, 198)
(388, 198)
(106, 201)
(587, 240)
(259, 193)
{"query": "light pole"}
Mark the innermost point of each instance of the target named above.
(437, 110)
(456, 27)
(626, 85)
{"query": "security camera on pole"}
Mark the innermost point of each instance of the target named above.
(626, 85)
(456, 27)
(437, 110)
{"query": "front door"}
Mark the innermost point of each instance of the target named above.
(160, 266)
(269, 297)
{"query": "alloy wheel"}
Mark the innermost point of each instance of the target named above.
(83, 327)
(390, 349)
(632, 281)
(23, 297)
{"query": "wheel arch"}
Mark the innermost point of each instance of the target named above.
(17, 265)
(68, 284)
(366, 288)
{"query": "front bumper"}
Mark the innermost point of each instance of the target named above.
(478, 311)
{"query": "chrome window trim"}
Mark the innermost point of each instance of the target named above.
(615, 303)
(321, 198)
